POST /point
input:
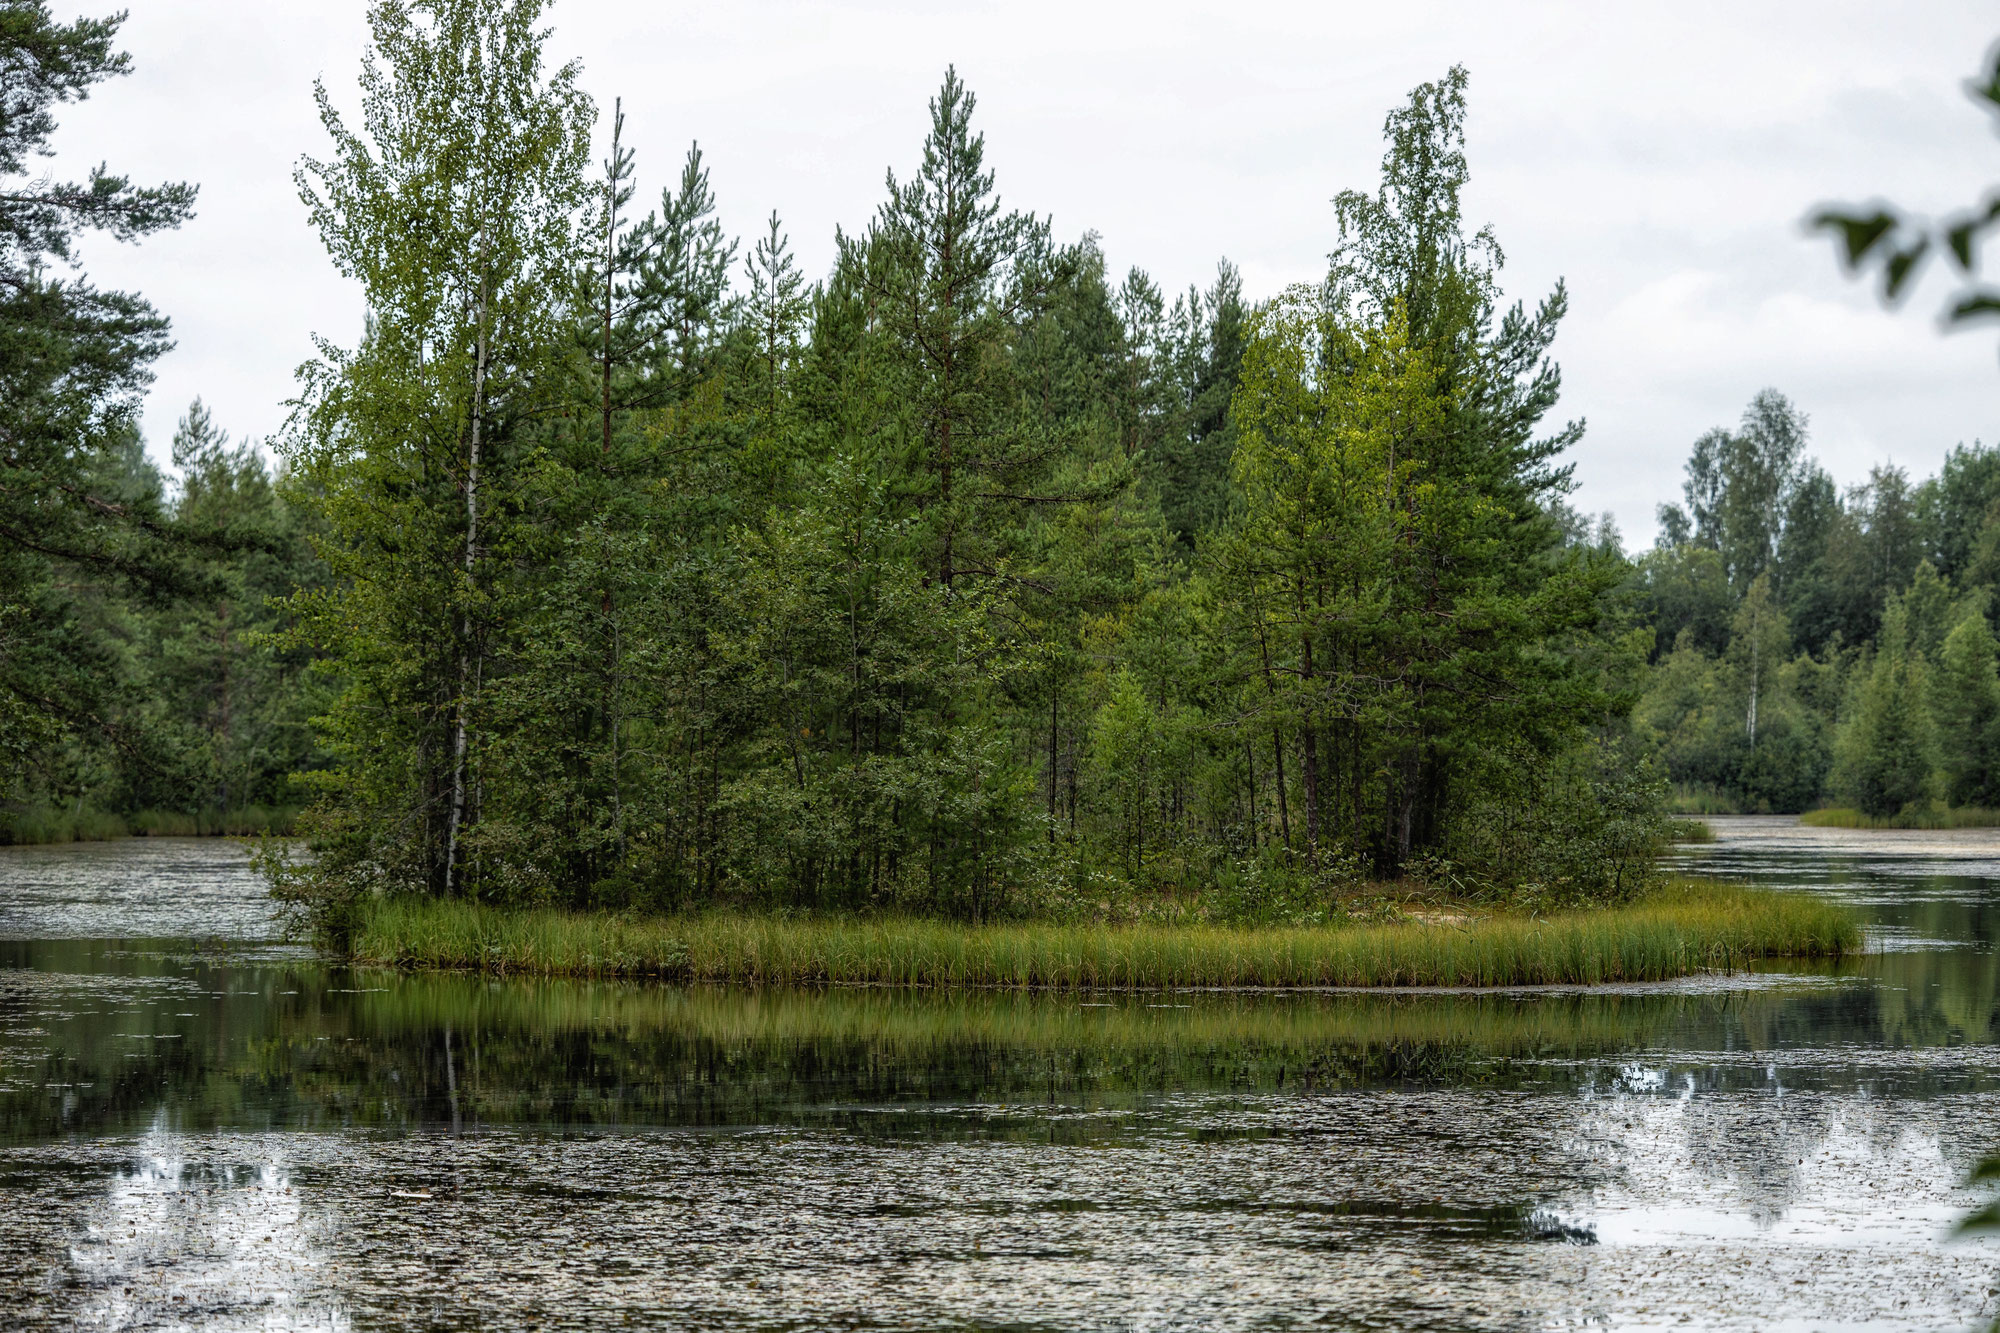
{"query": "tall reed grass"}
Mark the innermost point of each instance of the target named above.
(1696, 798)
(1684, 928)
(1970, 816)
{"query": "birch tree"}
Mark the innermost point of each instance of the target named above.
(455, 202)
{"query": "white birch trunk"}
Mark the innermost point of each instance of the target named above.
(458, 741)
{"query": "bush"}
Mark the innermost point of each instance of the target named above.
(1588, 826)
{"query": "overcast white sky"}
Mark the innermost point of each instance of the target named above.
(1659, 156)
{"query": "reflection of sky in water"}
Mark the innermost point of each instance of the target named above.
(153, 888)
(272, 1142)
(207, 1242)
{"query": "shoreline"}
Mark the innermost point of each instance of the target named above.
(1929, 821)
(43, 827)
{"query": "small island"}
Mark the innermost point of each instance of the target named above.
(625, 603)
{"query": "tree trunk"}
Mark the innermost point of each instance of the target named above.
(617, 694)
(1309, 756)
(458, 740)
(1052, 756)
(1284, 801)
(1407, 803)
(222, 739)
(1250, 765)
(1755, 662)
(1277, 740)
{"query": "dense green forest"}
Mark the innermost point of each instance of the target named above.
(618, 562)
(1815, 645)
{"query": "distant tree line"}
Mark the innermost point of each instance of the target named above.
(1813, 645)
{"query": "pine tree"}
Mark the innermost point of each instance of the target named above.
(683, 284)
(1144, 402)
(214, 659)
(949, 274)
(1190, 465)
(1476, 585)
(74, 362)
(775, 311)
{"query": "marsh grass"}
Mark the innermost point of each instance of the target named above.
(1933, 818)
(1694, 798)
(45, 824)
(1684, 927)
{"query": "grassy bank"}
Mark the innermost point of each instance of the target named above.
(1684, 928)
(44, 824)
(1965, 817)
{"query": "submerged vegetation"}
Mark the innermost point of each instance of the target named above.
(1680, 929)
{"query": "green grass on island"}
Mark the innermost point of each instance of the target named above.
(1679, 929)
(1915, 818)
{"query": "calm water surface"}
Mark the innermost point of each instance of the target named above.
(201, 1126)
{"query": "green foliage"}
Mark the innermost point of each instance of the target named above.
(1584, 827)
(987, 590)
(1197, 358)
(1885, 758)
(454, 206)
(1966, 690)
(199, 717)
(1740, 486)
(1857, 665)
(1397, 566)
(1925, 817)
(40, 824)
(966, 582)
(949, 275)
(1684, 589)
(85, 525)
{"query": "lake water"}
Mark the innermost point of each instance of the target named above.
(201, 1126)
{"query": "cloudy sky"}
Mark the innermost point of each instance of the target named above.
(1657, 156)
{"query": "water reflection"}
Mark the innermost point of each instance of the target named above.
(281, 1143)
(220, 1046)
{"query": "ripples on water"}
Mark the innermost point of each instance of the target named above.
(200, 1126)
